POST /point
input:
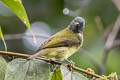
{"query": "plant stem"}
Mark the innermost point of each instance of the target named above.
(53, 62)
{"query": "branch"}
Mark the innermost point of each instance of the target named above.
(117, 3)
(113, 34)
(110, 41)
(107, 31)
(99, 24)
(53, 62)
(101, 27)
(109, 36)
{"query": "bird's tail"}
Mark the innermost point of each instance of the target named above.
(34, 56)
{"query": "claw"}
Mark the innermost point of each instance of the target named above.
(53, 67)
(70, 64)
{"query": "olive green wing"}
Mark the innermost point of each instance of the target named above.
(60, 42)
(64, 38)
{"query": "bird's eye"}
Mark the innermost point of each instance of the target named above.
(77, 26)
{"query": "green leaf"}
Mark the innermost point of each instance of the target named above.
(57, 75)
(78, 76)
(99, 79)
(21, 69)
(105, 79)
(1, 36)
(17, 7)
(3, 66)
(69, 75)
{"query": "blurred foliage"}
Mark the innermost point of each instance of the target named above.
(3, 66)
(71, 75)
(20, 12)
(51, 12)
(57, 75)
(22, 69)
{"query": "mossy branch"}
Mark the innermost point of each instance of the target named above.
(52, 62)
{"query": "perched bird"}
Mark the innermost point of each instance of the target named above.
(63, 44)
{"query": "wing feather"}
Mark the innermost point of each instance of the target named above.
(61, 39)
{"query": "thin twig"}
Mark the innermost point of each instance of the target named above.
(109, 36)
(99, 24)
(110, 41)
(53, 62)
(20, 36)
(107, 31)
(117, 3)
(101, 27)
(113, 34)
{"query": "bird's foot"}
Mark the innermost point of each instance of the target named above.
(70, 64)
(51, 61)
(10, 58)
(53, 66)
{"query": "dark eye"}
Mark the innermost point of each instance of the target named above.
(77, 26)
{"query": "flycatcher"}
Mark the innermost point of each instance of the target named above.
(63, 44)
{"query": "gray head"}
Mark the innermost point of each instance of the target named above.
(77, 25)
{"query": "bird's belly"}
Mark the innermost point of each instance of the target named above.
(60, 53)
(71, 51)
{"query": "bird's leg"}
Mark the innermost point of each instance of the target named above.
(70, 64)
(10, 58)
(53, 66)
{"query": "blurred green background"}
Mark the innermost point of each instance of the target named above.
(49, 16)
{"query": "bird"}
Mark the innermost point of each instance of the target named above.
(64, 43)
